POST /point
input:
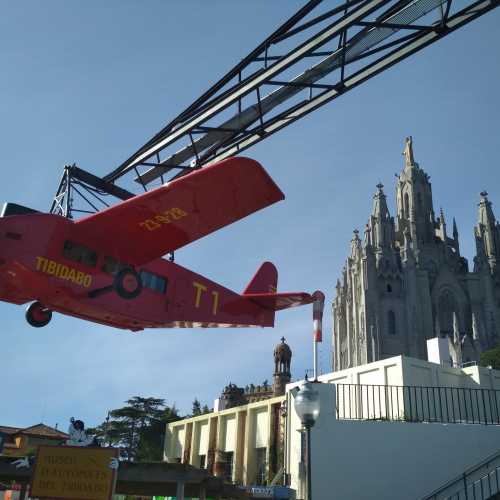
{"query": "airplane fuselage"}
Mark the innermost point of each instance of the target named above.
(43, 258)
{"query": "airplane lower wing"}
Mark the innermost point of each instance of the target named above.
(279, 301)
(152, 224)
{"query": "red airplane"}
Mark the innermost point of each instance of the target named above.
(108, 267)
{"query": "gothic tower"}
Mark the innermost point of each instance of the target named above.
(407, 282)
(487, 234)
(415, 212)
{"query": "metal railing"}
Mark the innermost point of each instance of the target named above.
(418, 404)
(480, 482)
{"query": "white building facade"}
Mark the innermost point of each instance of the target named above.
(242, 444)
(441, 420)
(393, 429)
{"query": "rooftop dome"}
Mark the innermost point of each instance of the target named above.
(282, 350)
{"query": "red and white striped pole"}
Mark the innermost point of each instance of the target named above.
(318, 306)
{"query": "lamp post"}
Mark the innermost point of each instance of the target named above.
(307, 407)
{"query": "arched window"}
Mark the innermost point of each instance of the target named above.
(407, 205)
(389, 288)
(391, 323)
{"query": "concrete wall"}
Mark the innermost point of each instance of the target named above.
(383, 372)
(487, 378)
(402, 370)
(367, 460)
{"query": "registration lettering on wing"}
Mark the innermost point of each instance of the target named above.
(163, 218)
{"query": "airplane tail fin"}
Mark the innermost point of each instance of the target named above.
(265, 280)
(262, 290)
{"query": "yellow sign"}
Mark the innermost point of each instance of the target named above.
(197, 296)
(74, 473)
(63, 272)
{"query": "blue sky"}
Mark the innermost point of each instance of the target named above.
(89, 82)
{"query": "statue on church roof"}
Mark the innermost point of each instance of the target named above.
(408, 152)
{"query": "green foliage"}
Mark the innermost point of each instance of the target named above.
(196, 408)
(491, 358)
(138, 428)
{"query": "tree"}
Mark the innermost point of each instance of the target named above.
(491, 357)
(138, 428)
(196, 408)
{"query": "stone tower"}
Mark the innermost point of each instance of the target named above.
(282, 360)
(406, 281)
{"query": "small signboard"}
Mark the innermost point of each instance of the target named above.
(276, 492)
(72, 472)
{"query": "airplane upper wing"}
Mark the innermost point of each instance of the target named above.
(152, 224)
(279, 301)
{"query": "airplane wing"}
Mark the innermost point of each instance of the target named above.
(152, 224)
(279, 301)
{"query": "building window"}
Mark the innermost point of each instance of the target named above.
(112, 266)
(229, 465)
(153, 281)
(391, 323)
(79, 253)
(407, 205)
(389, 288)
(203, 461)
(260, 454)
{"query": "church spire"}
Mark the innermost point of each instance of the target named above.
(355, 244)
(486, 216)
(488, 231)
(380, 204)
(455, 229)
(442, 225)
(381, 223)
(414, 200)
(455, 236)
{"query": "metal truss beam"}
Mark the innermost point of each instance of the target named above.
(87, 190)
(352, 43)
(329, 50)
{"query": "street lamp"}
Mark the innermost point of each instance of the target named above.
(306, 405)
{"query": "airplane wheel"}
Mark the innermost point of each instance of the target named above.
(127, 283)
(38, 315)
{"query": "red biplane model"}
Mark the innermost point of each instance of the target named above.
(108, 267)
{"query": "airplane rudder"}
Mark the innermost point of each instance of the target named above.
(265, 280)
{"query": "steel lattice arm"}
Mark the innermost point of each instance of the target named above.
(317, 55)
(351, 43)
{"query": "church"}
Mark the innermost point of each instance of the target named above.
(405, 281)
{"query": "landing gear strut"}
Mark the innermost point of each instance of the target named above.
(38, 315)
